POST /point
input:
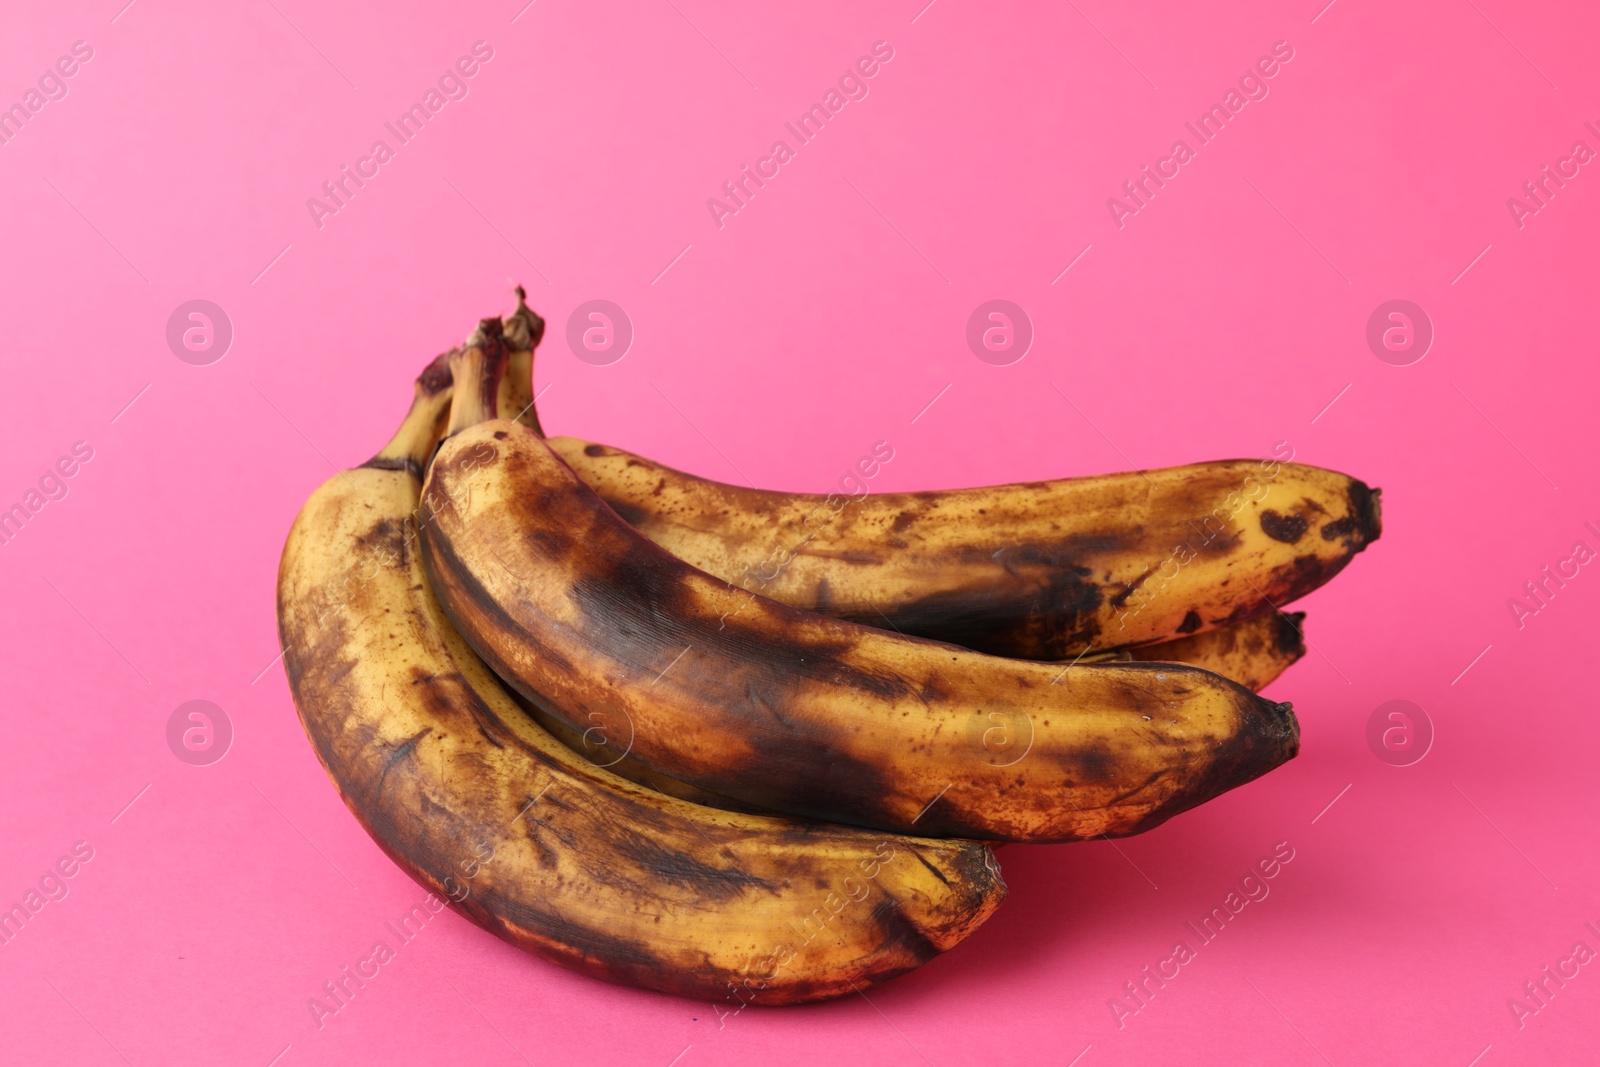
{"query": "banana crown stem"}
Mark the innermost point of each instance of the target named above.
(476, 371)
(523, 331)
(523, 328)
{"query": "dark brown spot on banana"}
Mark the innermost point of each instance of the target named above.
(675, 867)
(1333, 531)
(631, 514)
(937, 873)
(1289, 635)
(1032, 618)
(1285, 528)
(403, 752)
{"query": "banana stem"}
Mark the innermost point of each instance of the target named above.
(523, 330)
(413, 442)
(476, 371)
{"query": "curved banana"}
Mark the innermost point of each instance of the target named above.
(1253, 653)
(1040, 570)
(545, 850)
(792, 711)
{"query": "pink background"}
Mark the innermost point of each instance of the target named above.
(1222, 318)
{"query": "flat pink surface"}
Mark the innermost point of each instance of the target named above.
(1228, 314)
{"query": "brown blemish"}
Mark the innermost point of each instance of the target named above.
(937, 873)
(436, 377)
(401, 752)
(1285, 528)
(1332, 531)
(1366, 503)
(932, 692)
(669, 865)
(1288, 634)
(1132, 587)
(631, 514)
(402, 463)
(387, 542)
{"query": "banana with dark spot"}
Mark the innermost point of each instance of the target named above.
(1253, 652)
(1040, 570)
(537, 845)
(793, 711)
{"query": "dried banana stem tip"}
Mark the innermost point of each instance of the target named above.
(523, 328)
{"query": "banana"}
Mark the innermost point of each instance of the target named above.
(1043, 570)
(791, 711)
(540, 847)
(1253, 653)
(1040, 570)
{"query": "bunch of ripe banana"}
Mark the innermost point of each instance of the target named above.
(756, 746)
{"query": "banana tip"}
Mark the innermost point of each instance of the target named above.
(435, 377)
(1289, 726)
(1366, 503)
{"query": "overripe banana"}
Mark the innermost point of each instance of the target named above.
(749, 698)
(1040, 570)
(540, 847)
(1253, 652)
